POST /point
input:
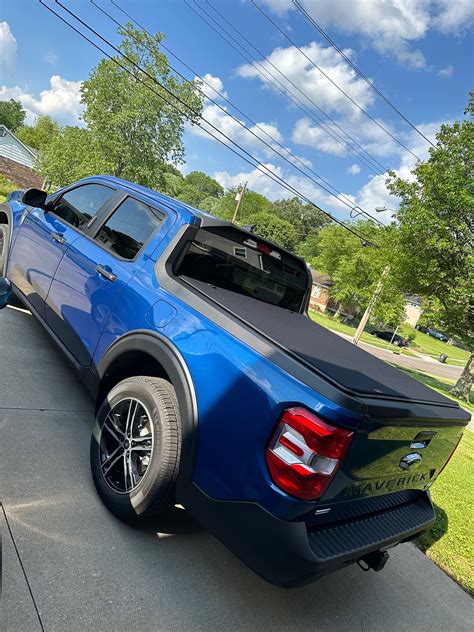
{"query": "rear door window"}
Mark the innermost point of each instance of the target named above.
(79, 207)
(244, 264)
(129, 227)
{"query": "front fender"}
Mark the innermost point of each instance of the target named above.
(166, 354)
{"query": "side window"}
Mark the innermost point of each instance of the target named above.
(129, 227)
(79, 206)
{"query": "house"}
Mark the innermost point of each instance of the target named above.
(17, 160)
(322, 283)
(412, 309)
(320, 300)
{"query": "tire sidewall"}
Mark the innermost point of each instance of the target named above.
(136, 503)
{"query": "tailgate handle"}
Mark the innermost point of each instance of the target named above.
(422, 440)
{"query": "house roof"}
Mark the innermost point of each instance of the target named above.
(30, 150)
(321, 279)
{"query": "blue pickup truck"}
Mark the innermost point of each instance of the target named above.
(301, 452)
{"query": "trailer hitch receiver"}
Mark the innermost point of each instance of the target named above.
(375, 561)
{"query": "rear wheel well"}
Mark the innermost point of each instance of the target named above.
(128, 364)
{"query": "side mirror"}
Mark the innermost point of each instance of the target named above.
(34, 197)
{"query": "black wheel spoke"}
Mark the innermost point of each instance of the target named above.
(111, 460)
(124, 465)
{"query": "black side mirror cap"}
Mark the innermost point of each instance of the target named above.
(34, 197)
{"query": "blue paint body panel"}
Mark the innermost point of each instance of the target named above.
(240, 393)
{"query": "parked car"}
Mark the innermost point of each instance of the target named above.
(422, 328)
(214, 389)
(438, 335)
(396, 339)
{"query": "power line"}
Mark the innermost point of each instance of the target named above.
(256, 162)
(287, 93)
(370, 83)
(313, 63)
(341, 197)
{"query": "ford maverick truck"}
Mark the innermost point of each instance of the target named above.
(214, 389)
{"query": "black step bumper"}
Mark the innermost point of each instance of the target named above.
(291, 554)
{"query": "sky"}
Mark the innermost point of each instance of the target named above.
(296, 91)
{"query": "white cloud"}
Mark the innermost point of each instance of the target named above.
(227, 127)
(391, 26)
(375, 194)
(61, 101)
(7, 49)
(446, 72)
(372, 138)
(353, 170)
(297, 70)
(212, 87)
(305, 133)
(453, 16)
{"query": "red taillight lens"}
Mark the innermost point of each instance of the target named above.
(304, 453)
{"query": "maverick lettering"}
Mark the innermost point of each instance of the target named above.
(376, 486)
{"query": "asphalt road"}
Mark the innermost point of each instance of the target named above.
(70, 565)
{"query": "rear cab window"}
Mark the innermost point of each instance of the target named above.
(243, 263)
(79, 207)
(129, 227)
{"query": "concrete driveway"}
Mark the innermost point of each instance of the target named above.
(70, 565)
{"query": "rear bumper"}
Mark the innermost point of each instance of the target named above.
(291, 554)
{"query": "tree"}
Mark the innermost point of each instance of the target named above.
(204, 184)
(137, 124)
(275, 229)
(12, 114)
(356, 269)
(40, 134)
(71, 155)
(434, 256)
(306, 218)
(252, 204)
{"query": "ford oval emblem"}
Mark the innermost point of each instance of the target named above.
(409, 460)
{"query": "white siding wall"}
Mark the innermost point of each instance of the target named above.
(11, 148)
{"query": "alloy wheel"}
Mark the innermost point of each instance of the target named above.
(126, 445)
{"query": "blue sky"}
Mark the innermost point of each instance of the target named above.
(419, 53)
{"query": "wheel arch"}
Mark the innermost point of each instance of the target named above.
(140, 351)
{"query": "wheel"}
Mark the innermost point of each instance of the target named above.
(136, 446)
(3, 247)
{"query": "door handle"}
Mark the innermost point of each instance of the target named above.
(58, 237)
(106, 273)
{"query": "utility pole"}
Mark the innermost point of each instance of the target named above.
(239, 197)
(370, 306)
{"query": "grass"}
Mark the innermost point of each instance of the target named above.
(6, 187)
(441, 385)
(450, 542)
(423, 343)
(431, 346)
(335, 325)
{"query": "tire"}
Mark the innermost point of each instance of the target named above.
(3, 247)
(135, 472)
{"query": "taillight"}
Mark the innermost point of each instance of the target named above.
(304, 453)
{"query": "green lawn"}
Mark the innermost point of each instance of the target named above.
(335, 325)
(431, 346)
(422, 343)
(441, 385)
(450, 543)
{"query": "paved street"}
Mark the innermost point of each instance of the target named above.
(70, 565)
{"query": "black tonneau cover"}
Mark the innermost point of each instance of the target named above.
(354, 370)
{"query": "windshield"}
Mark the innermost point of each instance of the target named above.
(242, 263)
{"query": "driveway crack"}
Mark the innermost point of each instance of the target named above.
(23, 569)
